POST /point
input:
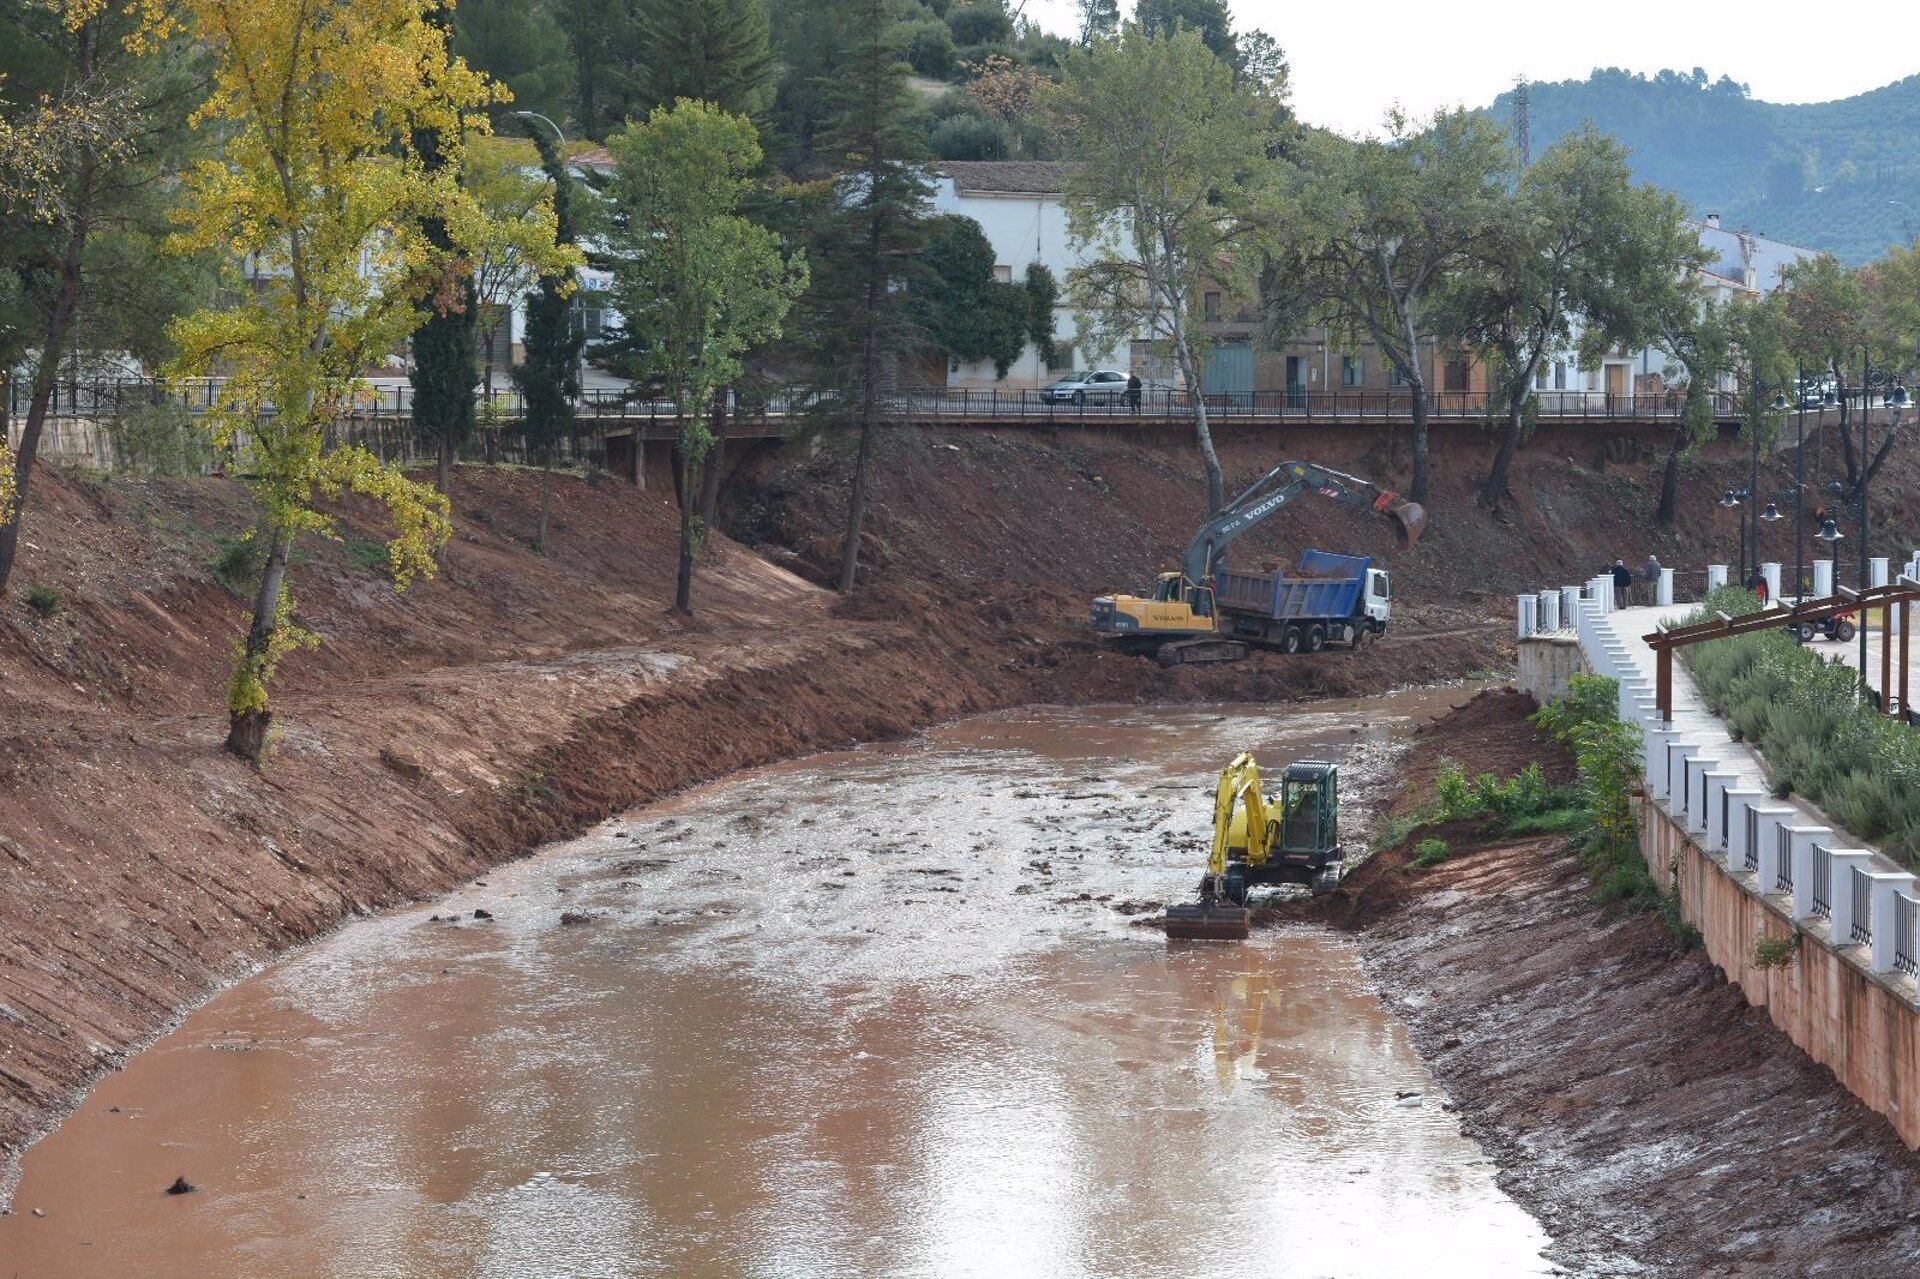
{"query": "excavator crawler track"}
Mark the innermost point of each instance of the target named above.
(1194, 652)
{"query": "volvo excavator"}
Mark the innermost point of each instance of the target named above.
(1180, 622)
(1291, 838)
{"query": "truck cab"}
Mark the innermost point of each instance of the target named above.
(1377, 602)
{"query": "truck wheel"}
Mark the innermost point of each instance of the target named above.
(1843, 630)
(1805, 631)
(1290, 640)
(1316, 638)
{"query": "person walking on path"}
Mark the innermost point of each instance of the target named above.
(1622, 581)
(1133, 391)
(1650, 574)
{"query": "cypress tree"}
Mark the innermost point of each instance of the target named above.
(549, 376)
(443, 345)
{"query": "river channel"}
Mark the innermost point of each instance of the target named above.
(884, 1012)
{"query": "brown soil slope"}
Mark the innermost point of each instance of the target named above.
(1650, 1119)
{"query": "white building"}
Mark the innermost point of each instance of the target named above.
(1018, 205)
(1740, 263)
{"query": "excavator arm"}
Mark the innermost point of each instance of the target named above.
(1278, 487)
(1239, 786)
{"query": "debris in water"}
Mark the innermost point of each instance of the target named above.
(568, 918)
(181, 1186)
(479, 913)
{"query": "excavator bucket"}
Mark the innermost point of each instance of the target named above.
(1410, 521)
(1214, 920)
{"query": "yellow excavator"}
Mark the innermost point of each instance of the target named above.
(1187, 619)
(1292, 838)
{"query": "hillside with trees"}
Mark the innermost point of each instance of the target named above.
(1824, 174)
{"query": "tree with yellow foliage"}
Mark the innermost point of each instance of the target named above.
(318, 199)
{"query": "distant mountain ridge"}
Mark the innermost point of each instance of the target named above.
(1820, 174)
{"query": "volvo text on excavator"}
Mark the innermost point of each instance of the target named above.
(1198, 614)
(1291, 838)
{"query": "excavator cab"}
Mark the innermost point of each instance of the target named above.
(1173, 588)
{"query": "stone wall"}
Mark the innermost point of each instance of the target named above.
(1859, 1024)
(1547, 662)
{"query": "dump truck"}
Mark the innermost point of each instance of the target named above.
(1177, 622)
(1326, 599)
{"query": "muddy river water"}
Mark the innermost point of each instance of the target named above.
(876, 1013)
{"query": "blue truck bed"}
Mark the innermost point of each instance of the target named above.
(1321, 586)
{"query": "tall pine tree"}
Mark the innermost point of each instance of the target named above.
(608, 58)
(874, 233)
(549, 376)
(709, 51)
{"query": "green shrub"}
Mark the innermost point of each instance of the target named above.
(43, 600)
(237, 560)
(1803, 714)
(1518, 799)
(1775, 952)
(368, 553)
(974, 24)
(1429, 852)
(1607, 754)
(968, 137)
(1554, 821)
(160, 439)
(929, 48)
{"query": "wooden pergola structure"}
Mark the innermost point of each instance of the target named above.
(1843, 601)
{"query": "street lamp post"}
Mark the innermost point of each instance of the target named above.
(1753, 470)
(1730, 500)
(1799, 480)
(1866, 534)
(535, 115)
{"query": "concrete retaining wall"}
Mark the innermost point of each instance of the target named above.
(1856, 1023)
(1547, 662)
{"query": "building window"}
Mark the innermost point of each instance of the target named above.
(1004, 274)
(1559, 375)
(1062, 360)
(1352, 370)
(1210, 306)
(1456, 375)
(1394, 376)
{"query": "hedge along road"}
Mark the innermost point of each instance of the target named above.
(883, 1012)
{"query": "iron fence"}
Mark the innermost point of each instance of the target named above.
(1906, 932)
(1862, 929)
(1783, 860)
(1822, 881)
(1750, 858)
(389, 397)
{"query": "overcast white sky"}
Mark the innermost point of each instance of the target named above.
(1351, 60)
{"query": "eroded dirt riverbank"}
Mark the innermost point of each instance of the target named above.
(1638, 1107)
(885, 1012)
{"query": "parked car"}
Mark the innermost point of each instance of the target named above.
(1102, 386)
